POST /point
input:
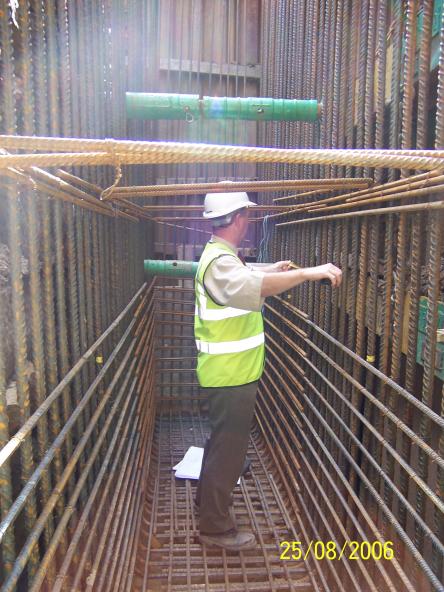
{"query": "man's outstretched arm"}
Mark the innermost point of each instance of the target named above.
(275, 283)
(271, 267)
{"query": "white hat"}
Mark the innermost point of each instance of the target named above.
(222, 204)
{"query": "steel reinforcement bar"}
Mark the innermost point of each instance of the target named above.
(118, 152)
(125, 382)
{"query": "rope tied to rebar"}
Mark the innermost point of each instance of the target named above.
(110, 147)
(117, 177)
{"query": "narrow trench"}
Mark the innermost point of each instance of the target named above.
(170, 557)
(116, 119)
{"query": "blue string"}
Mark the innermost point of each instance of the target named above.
(263, 255)
(263, 251)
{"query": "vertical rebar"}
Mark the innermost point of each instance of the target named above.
(381, 54)
(8, 544)
(33, 221)
(395, 88)
(9, 125)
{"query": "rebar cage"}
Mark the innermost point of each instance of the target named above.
(98, 394)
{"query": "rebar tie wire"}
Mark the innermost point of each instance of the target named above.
(107, 192)
(118, 176)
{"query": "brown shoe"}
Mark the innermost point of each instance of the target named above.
(233, 540)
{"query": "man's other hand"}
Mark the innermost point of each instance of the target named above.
(327, 271)
(280, 266)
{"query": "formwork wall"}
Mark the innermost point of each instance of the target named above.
(350, 407)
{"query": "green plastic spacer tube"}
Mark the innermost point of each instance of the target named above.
(170, 268)
(191, 107)
(162, 106)
(260, 109)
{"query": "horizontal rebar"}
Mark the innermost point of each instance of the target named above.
(250, 186)
(26, 428)
(362, 201)
(194, 219)
(31, 484)
(119, 152)
(61, 527)
(422, 179)
(185, 208)
(384, 378)
(59, 144)
(421, 207)
(304, 194)
(58, 490)
(322, 494)
(411, 473)
(390, 516)
(61, 195)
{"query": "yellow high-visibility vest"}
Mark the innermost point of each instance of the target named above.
(230, 341)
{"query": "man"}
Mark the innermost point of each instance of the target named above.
(229, 336)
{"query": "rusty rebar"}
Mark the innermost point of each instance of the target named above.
(17, 439)
(251, 186)
(20, 348)
(435, 205)
(39, 525)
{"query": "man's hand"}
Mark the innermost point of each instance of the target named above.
(327, 271)
(279, 266)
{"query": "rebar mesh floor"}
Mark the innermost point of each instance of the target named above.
(170, 556)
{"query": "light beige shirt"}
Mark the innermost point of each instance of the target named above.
(230, 283)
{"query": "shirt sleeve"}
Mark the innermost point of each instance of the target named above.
(230, 283)
(258, 266)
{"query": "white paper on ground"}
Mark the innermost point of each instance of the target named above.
(189, 467)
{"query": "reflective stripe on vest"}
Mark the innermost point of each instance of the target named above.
(207, 314)
(230, 347)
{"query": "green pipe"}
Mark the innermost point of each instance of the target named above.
(170, 268)
(191, 107)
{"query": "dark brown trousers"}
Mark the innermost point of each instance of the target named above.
(230, 414)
